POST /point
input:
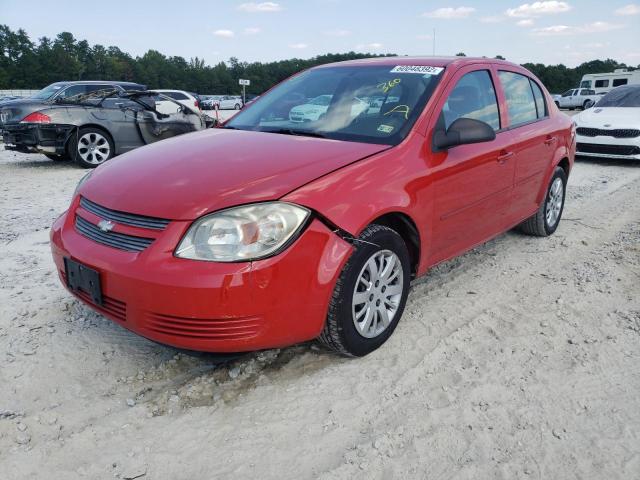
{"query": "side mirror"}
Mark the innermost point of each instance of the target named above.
(463, 131)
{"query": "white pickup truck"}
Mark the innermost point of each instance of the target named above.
(577, 98)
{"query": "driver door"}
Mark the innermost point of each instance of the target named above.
(472, 183)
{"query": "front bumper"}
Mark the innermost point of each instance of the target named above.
(608, 147)
(208, 306)
(37, 137)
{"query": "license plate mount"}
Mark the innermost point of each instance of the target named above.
(82, 278)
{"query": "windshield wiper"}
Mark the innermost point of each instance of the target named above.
(291, 131)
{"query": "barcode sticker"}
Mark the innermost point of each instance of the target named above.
(421, 69)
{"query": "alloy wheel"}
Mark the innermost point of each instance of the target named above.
(554, 202)
(93, 148)
(377, 294)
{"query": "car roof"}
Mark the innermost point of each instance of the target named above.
(91, 82)
(419, 60)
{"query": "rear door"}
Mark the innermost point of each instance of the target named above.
(534, 140)
(472, 183)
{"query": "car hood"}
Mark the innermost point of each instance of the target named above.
(185, 177)
(609, 117)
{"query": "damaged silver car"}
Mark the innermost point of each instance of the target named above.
(91, 128)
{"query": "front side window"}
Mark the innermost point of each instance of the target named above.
(372, 104)
(472, 97)
(602, 83)
(619, 81)
(521, 105)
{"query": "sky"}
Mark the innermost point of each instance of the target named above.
(548, 32)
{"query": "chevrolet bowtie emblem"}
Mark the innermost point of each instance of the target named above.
(106, 225)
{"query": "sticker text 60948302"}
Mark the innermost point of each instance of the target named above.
(421, 69)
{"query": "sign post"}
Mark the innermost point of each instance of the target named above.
(244, 84)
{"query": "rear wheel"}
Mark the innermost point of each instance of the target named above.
(237, 106)
(546, 219)
(370, 294)
(90, 147)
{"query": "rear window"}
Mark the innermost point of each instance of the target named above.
(602, 83)
(521, 104)
(175, 95)
(619, 81)
(541, 105)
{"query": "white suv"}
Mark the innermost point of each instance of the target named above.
(180, 96)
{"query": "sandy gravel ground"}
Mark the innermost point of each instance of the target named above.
(519, 360)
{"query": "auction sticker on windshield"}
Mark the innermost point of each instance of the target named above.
(422, 69)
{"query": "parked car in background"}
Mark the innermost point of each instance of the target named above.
(603, 82)
(208, 101)
(164, 105)
(317, 107)
(14, 111)
(270, 232)
(91, 128)
(612, 128)
(229, 102)
(576, 98)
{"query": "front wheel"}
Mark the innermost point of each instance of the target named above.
(237, 106)
(370, 294)
(90, 147)
(545, 221)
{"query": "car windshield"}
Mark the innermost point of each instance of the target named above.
(621, 97)
(47, 92)
(371, 104)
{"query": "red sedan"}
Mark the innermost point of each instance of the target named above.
(269, 232)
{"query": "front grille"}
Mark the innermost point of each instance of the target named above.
(205, 329)
(130, 219)
(112, 239)
(597, 148)
(616, 133)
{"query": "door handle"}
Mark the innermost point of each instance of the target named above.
(549, 140)
(503, 157)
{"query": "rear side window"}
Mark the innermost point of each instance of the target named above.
(619, 81)
(473, 97)
(520, 102)
(602, 83)
(541, 105)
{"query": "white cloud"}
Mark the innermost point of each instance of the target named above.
(337, 33)
(536, 9)
(251, 31)
(450, 12)
(299, 46)
(526, 22)
(595, 27)
(224, 33)
(253, 7)
(369, 46)
(492, 19)
(631, 9)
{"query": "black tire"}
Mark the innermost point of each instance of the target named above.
(55, 157)
(72, 146)
(339, 333)
(586, 104)
(237, 106)
(537, 224)
(557, 104)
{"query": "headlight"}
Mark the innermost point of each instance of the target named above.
(242, 233)
(82, 180)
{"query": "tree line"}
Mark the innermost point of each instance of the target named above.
(25, 64)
